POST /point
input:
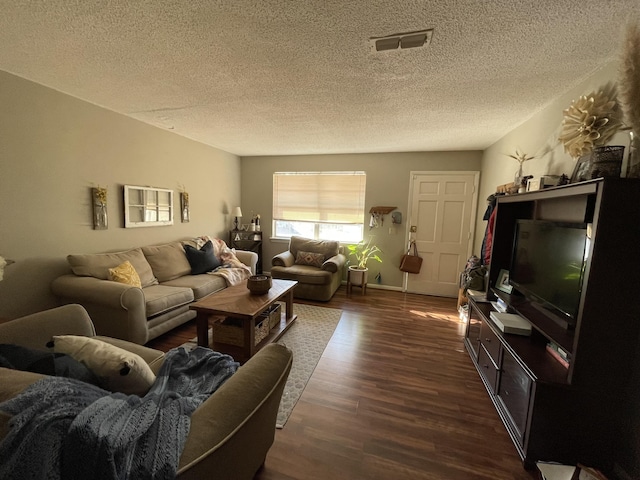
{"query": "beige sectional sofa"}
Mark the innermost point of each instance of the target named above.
(140, 314)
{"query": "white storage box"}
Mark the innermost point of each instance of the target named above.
(511, 323)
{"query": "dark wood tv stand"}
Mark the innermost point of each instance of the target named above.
(581, 413)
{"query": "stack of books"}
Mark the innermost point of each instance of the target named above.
(559, 353)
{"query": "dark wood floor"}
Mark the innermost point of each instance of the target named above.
(394, 396)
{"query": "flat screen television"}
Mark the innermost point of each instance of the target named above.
(547, 266)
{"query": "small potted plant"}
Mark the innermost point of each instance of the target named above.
(362, 252)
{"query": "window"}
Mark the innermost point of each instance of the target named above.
(147, 206)
(320, 205)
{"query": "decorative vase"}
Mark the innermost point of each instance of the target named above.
(517, 180)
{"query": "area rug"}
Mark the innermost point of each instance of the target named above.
(307, 338)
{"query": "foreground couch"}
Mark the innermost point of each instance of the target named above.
(231, 432)
(317, 265)
(140, 314)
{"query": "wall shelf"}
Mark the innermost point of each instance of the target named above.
(381, 210)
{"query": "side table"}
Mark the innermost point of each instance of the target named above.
(247, 240)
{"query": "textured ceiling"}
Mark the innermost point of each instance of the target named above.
(276, 77)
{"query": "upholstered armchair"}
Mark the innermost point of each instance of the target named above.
(317, 265)
(230, 433)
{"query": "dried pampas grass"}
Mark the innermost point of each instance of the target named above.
(630, 78)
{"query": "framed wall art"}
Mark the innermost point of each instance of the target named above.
(99, 202)
(147, 206)
(184, 207)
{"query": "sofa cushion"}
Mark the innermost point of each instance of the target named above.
(98, 264)
(162, 298)
(167, 261)
(203, 260)
(309, 258)
(328, 248)
(125, 273)
(201, 285)
(117, 369)
(304, 274)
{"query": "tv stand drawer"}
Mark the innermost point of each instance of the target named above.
(490, 342)
(488, 369)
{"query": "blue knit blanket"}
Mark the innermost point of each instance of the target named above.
(67, 429)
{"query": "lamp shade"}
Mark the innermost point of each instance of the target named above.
(3, 263)
(236, 212)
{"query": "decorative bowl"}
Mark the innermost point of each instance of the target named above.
(259, 284)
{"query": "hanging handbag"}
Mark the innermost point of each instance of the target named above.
(411, 262)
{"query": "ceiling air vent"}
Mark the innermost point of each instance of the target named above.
(421, 38)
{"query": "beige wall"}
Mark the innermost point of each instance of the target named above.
(539, 137)
(388, 182)
(53, 148)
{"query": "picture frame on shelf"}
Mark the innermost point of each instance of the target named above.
(502, 283)
(581, 170)
(533, 184)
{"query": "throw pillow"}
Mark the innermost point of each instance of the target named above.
(125, 273)
(117, 369)
(310, 258)
(203, 260)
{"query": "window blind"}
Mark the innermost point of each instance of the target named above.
(320, 197)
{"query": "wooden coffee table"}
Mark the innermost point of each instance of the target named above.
(238, 302)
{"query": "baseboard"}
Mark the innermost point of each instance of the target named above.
(378, 286)
(369, 285)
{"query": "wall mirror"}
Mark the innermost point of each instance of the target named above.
(147, 206)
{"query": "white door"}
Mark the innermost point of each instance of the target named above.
(443, 212)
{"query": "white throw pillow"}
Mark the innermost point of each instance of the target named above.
(117, 369)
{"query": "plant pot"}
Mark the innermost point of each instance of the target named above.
(358, 276)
